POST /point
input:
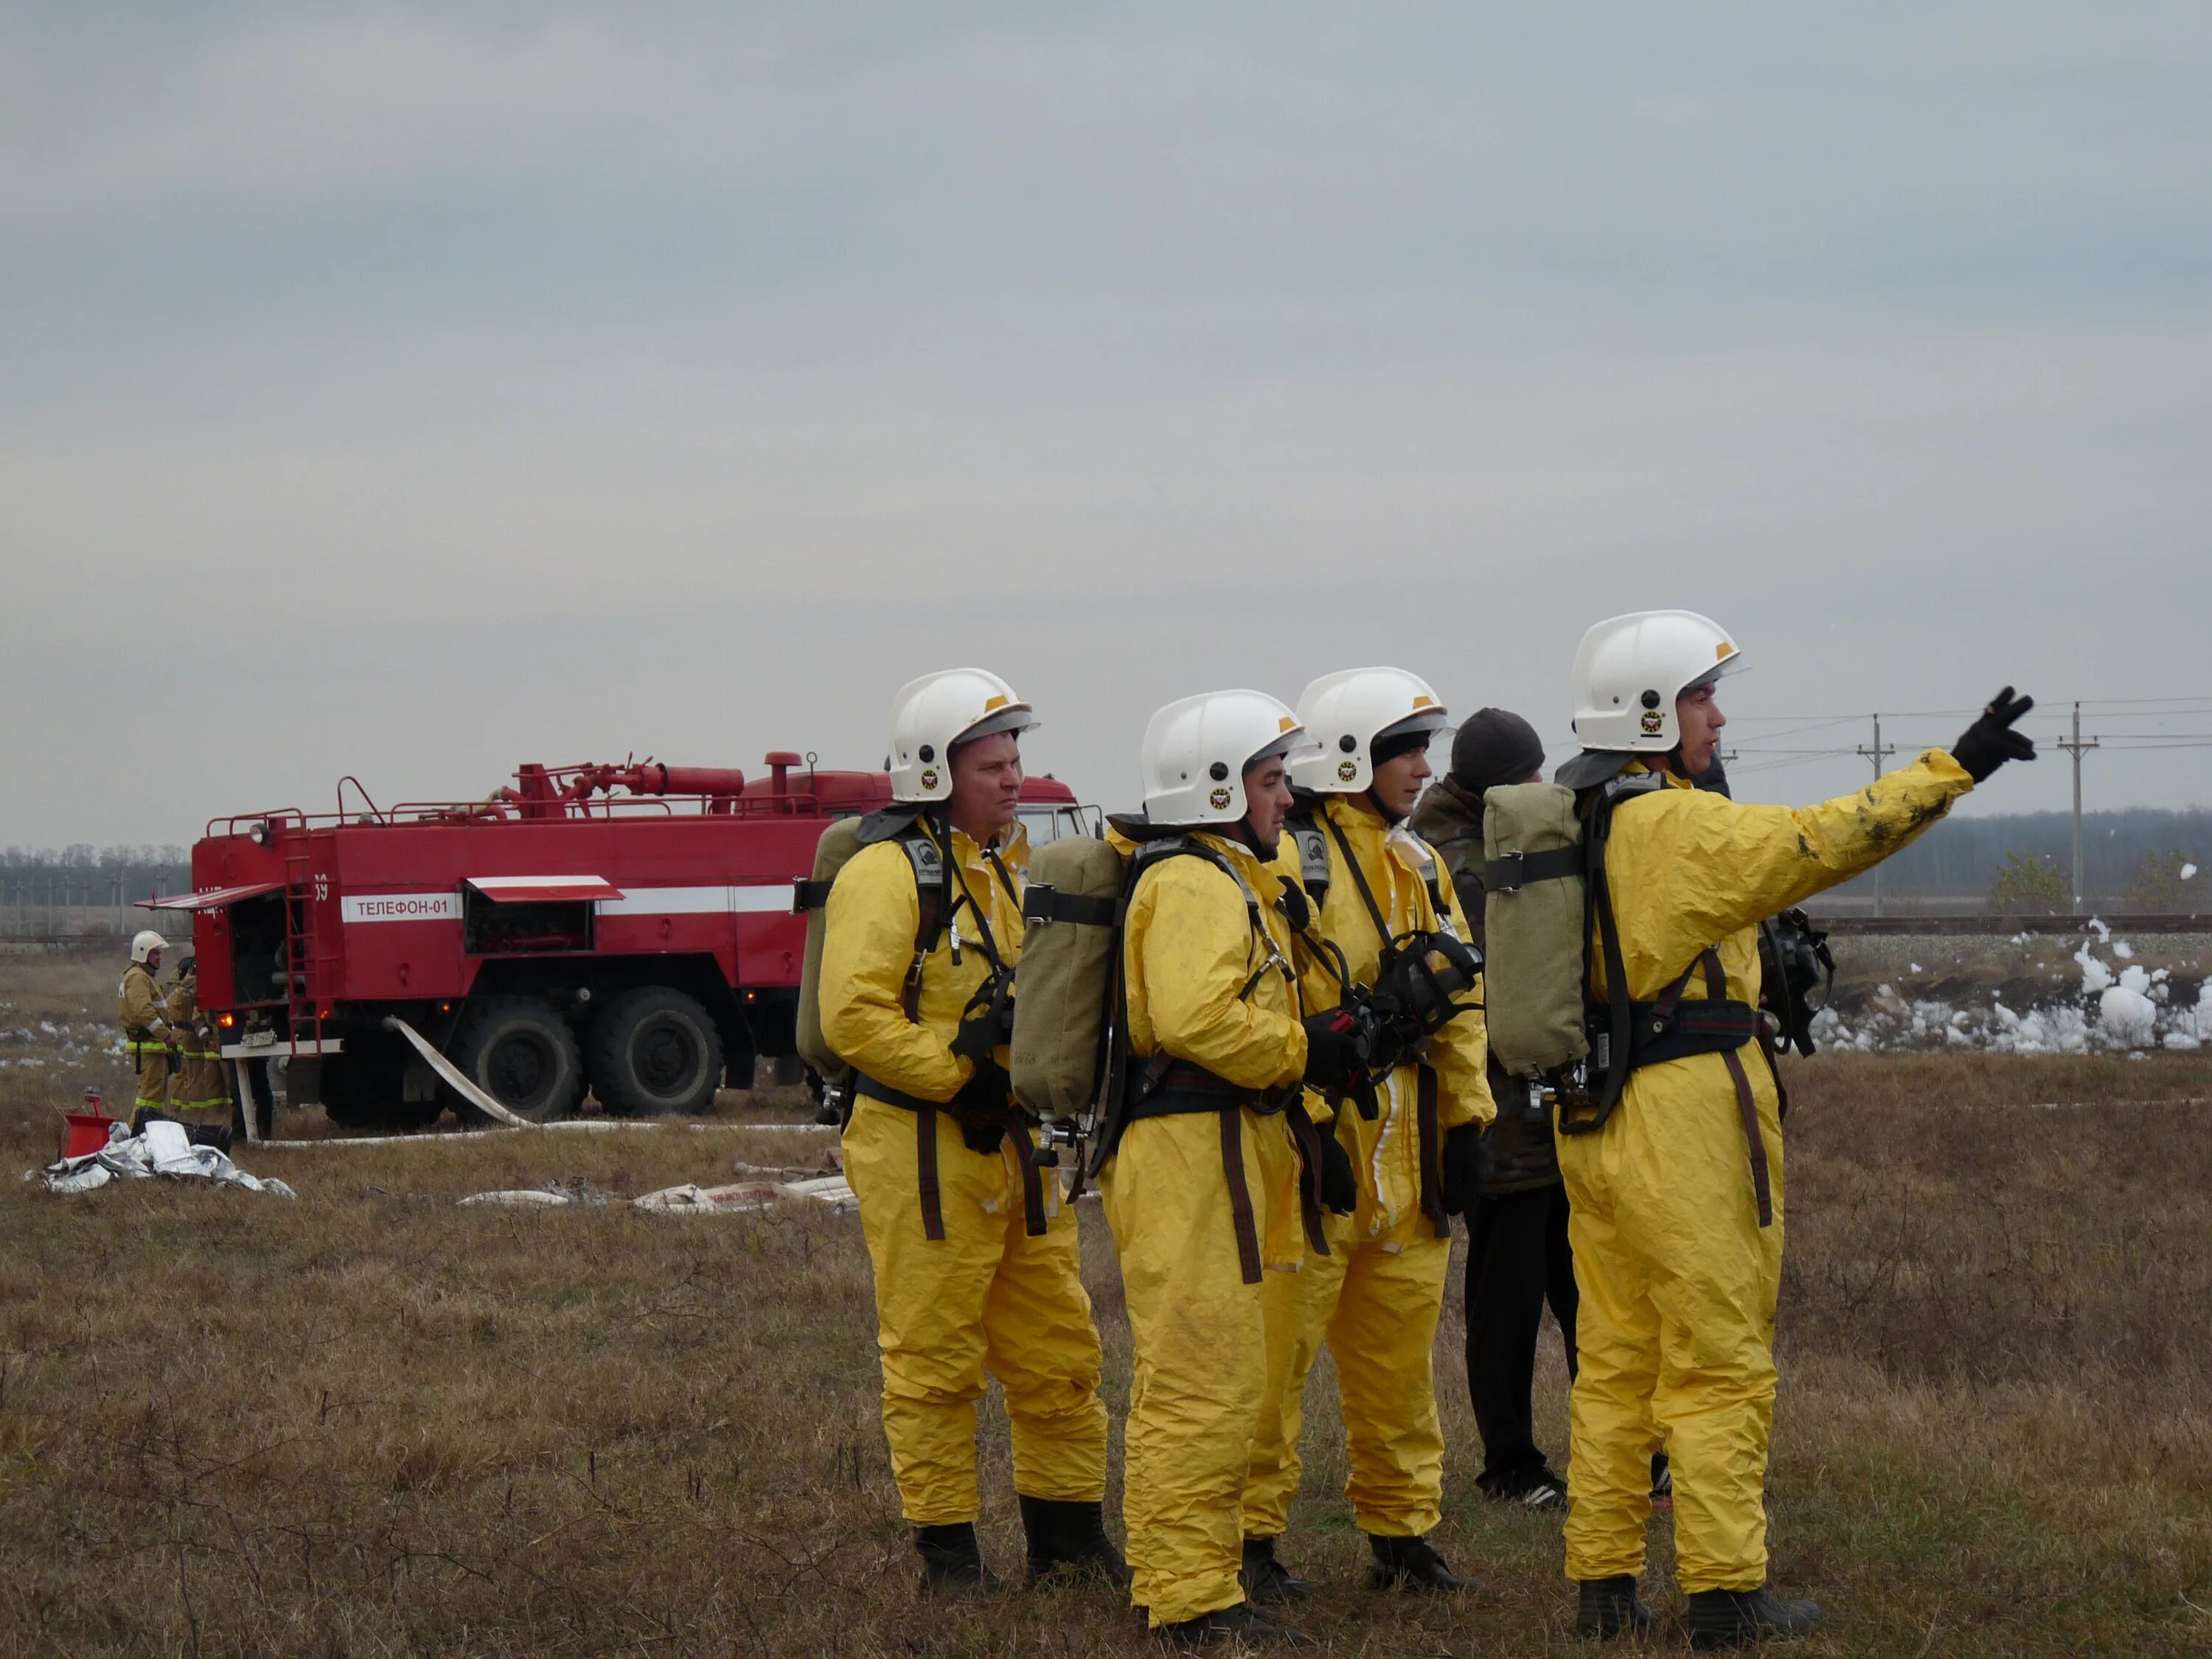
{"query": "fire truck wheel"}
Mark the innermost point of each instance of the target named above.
(523, 1054)
(653, 1050)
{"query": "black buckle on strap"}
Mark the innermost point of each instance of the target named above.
(1043, 902)
(1513, 871)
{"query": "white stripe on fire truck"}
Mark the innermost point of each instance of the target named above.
(401, 907)
(697, 901)
(636, 902)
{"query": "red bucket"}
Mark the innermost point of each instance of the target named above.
(88, 1133)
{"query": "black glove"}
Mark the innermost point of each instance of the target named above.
(983, 1029)
(1339, 1183)
(989, 1089)
(1466, 1168)
(1337, 1046)
(1990, 742)
(984, 1137)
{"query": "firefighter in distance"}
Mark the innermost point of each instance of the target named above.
(149, 1038)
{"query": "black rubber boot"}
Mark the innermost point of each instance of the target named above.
(1243, 1623)
(1611, 1607)
(1409, 1564)
(952, 1562)
(1071, 1536)
(1737, 1619)
(1267, 1581)
(217, 1135)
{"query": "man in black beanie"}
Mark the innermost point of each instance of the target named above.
(1518, 1258)
(1517, 1255)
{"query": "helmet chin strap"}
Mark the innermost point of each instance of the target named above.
(1244, 835)
(1381, 811)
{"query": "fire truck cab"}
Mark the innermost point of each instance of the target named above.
(628, 931)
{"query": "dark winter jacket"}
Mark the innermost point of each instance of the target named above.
(1450, 818)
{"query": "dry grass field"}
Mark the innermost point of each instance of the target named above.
(372, 1422)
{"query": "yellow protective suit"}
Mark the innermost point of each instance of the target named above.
(1200, 1388)
(200, 1085)
(1377, 1294)
(1677, 1279)
(143, 1013)
(986, 1295)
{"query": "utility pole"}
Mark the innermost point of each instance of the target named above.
(2077, 748)
(1877, 754)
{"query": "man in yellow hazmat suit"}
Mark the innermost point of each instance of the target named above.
(975, 1259)
(1675, 1196)
(1203, 1185)
(1375, 887)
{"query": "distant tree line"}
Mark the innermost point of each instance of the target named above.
(2134, 856)
(83, 874)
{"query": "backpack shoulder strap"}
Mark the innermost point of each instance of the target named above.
(932, 885)
(1313, 851)
(1597, 830)
(1154, 853)
(1359, 880)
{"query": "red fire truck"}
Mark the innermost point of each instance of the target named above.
(624, 929)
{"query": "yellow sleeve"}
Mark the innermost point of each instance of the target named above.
(1461, 1051)
(1727, 866)
(867, 945)
(183, 1001)
(1192, 938)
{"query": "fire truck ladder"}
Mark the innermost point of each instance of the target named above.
(303, 967)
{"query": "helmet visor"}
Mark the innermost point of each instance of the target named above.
(1289, 745)
(1715, 675)
(1015, 718)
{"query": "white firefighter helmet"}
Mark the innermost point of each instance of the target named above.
(932, 714)
(1196, 749)
(1629, 669)
(1346, 714)
(145, 943)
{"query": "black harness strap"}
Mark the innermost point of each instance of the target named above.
(1431, 1150)
(1306, 1133)
(1043, 902)
(1514, 871)
(1033, 1215)
(1240, 1194)
(1716, 987)
(1010, 1122)
(1168, 1087)
(1359, 876)
(924, 1169)
(1429, 1132)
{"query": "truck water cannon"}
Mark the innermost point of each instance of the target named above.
(548, 792)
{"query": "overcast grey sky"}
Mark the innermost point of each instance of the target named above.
(413, 391)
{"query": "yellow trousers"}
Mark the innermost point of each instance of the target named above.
(201, 1083)
(985, 1297)
(1377, 1305)
(150, 1063)
(1676, 1328)
(1199, 1392)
